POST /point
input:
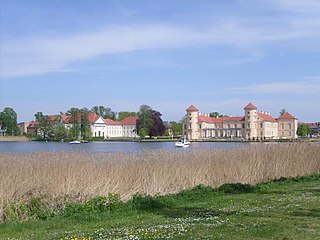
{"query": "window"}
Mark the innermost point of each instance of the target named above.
(190, 119)
(248, 125)
(289, 125)
(261, 125)
(228, 125)
(243, 125)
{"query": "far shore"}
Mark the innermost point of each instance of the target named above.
(13, 139)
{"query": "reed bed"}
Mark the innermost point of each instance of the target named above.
(81, 176)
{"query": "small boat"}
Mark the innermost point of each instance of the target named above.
(74, 142)
(182, 142)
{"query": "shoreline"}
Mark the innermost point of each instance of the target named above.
(13, 139)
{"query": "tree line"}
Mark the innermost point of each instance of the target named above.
(53, 127)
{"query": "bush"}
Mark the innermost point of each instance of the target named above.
(96, 205)
(34, 208)
(145, 202)
(235, 188)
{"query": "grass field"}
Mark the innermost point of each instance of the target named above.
(282, 209)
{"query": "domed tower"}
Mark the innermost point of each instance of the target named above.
(192, 124)
(250, 113)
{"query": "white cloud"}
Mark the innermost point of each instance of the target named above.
(308, 86)
(39, 55)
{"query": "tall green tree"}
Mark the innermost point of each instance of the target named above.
(45, 127)
(176, 128)
(8, 121)
(74, 132)
(80, 125)
(144, 122)
(104, 112)
(303, 130)
(122, 115)
(85, 126)
(149, 122)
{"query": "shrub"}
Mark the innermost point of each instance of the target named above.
(145, 202)
(235, 188)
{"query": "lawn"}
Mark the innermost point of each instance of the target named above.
(282, 209)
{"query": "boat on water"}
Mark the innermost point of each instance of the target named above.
(182, 142)
(75, 142)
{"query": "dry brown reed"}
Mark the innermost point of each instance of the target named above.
(82, 176)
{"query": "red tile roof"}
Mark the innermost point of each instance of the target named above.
(129, 121)
(286, 115)
(250, 106)
(207, 119)
(192, 108)
(111, 122)
(267, 117)
(234, 119)
(92, 117)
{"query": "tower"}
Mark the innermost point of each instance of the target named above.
(250, 128)
(192, 124)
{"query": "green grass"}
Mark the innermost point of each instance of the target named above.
(287, 208)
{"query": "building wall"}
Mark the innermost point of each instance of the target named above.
(250, 124)
(192, 125)
(287, 128)
(129, 131)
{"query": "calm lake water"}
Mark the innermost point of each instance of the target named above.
(94, 147)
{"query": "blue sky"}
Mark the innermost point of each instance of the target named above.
(217, 55)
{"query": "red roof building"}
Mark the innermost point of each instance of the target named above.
(192, 108)
(250, 106)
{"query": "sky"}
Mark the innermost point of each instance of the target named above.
(217, 55)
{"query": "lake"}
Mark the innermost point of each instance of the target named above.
(95, 147)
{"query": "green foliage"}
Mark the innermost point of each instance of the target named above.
(303, 130)
(149, 122)
(177, 128)
(124, 114)
(34, 208)
(146, 202)
(97, 205)
(8, 121)
(104, 112)
(235, 188)
(46, 126)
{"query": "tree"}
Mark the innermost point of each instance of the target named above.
(85, 127)
(282, 111)
(45, 126)
(123, 115)
(74, 121)
(303, 130)
(157, 128)
(80, 125)
(216, 115)
(38, 116)
(176, 127)
(104, 112)
(149, 122)
(144, 122)
(8, 121)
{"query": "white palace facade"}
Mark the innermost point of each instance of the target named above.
(254, 125)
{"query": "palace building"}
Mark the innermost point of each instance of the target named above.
(254, 125)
